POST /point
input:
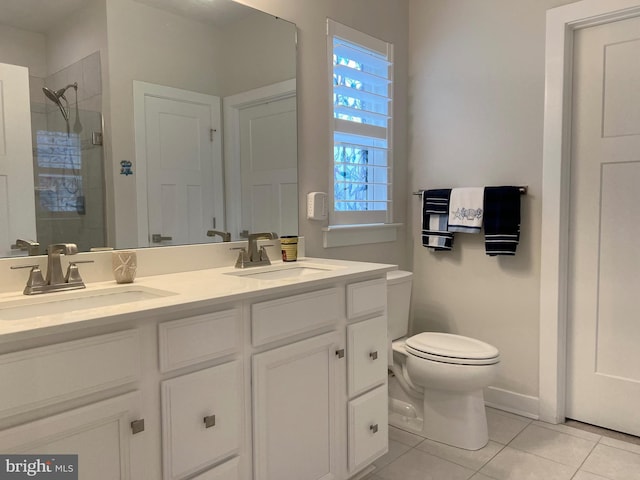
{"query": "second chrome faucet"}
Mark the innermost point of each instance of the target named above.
(252, 256)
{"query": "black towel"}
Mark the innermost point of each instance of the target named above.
(501, 220)
(435, 216)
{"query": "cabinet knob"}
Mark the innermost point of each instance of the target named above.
(373, 428)
(209, 421)
(137, 426)
(373, 355)
(340, 353)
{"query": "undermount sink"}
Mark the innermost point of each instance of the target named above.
(63, 302)
(279, 272)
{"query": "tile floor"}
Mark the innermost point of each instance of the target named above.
(518, 449)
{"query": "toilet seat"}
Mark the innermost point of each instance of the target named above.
(450, 348)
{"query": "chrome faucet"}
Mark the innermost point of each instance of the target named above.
(54, 267)
(226, 236)
(56, 280)
(30, 246)
(255, 257)
(254, 254)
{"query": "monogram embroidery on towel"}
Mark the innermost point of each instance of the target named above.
(467, 213)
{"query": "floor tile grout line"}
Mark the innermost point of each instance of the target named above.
(502, 446)
(545, 458)
(597, 440)
(585, 459)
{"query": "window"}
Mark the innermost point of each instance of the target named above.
(58, 174)
(361, 70)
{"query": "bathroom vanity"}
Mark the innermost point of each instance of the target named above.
(275, 373)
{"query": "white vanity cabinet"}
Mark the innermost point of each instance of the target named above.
(201, 419)
(101, 433)
(294, 404)
(294, 386)
(367, 349)
(277, 382)
(202, 411)
(309, 393)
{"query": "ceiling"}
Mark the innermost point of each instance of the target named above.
(41, 15)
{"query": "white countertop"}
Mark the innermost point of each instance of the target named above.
(177, 291)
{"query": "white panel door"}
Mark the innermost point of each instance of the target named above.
(294, 394)
(17, 201)
(268, 157)
(604, 270)
(180, 151)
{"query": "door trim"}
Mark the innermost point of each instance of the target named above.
(231, 107)
(561, 23)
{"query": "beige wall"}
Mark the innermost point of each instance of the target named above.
(476, 109)
(385, 19)
(78, 36)
(258, 52)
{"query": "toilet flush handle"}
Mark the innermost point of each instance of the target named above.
(373, 355)
(373, 428)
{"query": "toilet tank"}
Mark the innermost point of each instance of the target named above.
(398, 303)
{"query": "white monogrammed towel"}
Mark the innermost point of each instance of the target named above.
(466, 209)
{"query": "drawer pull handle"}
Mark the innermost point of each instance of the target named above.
(209, 421)
(340, 353)
(373, 428)
(137, 426)
(373, 355)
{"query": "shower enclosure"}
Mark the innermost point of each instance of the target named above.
(68, 157)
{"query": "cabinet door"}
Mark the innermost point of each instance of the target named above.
(229, 470)
(100, 434)
(294, 404)
(368, 430)
(201, 419)
(367, 354)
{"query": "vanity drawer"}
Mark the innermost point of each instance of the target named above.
(229, 470)
(52, 374)
(367, 349)
(192, 340)
(277, 319)
(201, 419)
(368, 430)
(364, 298)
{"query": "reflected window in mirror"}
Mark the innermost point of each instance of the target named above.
(57, 173)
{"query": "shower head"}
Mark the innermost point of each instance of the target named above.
(56, 95)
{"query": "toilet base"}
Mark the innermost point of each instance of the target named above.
(457, 419)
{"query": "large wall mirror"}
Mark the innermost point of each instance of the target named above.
(133, 123)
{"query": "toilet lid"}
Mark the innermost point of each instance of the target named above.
(449, 348)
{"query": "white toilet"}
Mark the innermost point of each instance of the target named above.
(436, 389)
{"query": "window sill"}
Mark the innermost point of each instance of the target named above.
(346, 235)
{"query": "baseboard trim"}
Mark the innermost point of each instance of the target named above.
(524, 405)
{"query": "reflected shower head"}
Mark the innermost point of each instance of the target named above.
(56, 95)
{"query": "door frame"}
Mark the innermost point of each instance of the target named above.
(231, 106)
(561, 24)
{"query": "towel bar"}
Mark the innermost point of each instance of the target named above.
(523, 190)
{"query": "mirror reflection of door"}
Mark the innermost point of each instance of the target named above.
(17, 204)
(268, 157)
(179, 147)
